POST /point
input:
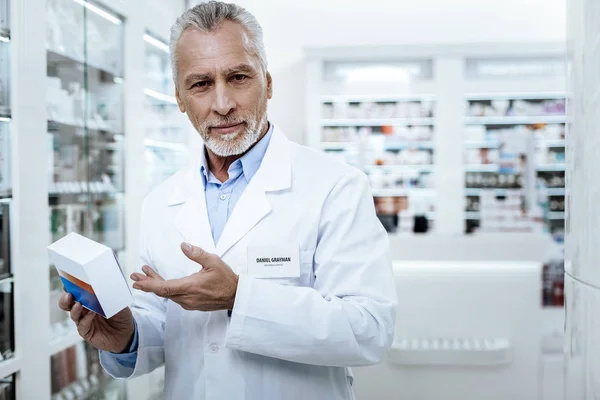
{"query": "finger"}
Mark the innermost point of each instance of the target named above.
(66, 302)
(85, 324)
(76, 312)
(84, 313)
(162, 288)
(199, 255)
(151, 273)
(136, 276)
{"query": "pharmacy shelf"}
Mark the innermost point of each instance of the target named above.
(84, 390)
(160, 144)
(482, 144)
(497, 191)
(56, 57)
(556, 215)
(425, 168)
(83, 197)
(482, 168)
(162, 97)
(551, 143)
(509, 120)
(419, 145)
(554, 191)
(389, 145)
(377, 122)
(63, 342)
(472, 215)
(55, 125)
(550, 167)
(515, 96)
(76, 188)
(337, 145)
(376, 98)
(410, 192)
(161, 128)
(9, 367)
(4, 281)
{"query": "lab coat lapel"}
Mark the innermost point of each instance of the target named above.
(274, 174)
(191, 219)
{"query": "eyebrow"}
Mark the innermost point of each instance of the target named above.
(193, 78)
(240, 68)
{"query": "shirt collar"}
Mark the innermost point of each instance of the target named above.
(250, 161)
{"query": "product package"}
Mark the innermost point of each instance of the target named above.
(91, 273)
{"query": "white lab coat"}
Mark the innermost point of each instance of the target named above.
(287, 338)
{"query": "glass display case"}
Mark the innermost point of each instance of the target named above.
(5, 111)
(7, 388)
(77, 374)
(5, 59)
(85, 141)
(166, 139)
(380, 117)
(5, 264)
(7, 342)
(7, 335)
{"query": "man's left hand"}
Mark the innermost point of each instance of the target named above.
(210, 289)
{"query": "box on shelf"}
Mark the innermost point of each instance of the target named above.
(383, 109)
(91, 273)
(506, 107)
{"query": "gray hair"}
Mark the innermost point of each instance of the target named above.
(207, 17)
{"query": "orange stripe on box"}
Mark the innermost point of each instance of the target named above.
(75, 281)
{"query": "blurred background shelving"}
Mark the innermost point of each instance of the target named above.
(102, 117)
(530, 137)
(388, 133)
(455, 140)
(8, 363)
(77, 374)
(394, 114)
(167, 141)
(85, 108)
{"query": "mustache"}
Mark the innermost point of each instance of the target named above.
(233, 120)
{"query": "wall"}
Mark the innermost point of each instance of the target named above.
(290, 26)
(159, 15)
(582, 278)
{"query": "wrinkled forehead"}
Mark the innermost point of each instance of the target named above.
(212, 52)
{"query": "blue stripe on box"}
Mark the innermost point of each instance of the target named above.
(87, 299)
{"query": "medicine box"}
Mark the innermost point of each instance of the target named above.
(91, 273)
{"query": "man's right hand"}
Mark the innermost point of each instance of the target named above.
(114, 334)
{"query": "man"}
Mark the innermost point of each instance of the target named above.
(265, 272)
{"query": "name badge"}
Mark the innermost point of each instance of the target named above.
(279, 261)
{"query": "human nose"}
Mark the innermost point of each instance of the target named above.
(223, 102)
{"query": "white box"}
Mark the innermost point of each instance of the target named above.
(91, 273)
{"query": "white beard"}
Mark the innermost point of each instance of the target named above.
(231, 144)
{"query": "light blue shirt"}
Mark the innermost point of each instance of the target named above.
(221, 198)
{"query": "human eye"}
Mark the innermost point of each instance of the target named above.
(200, 85)
(239, 77)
